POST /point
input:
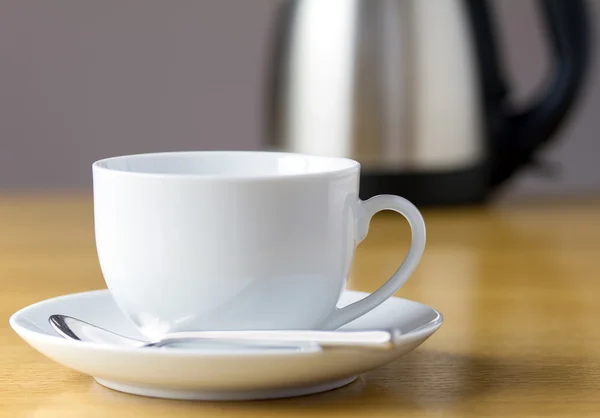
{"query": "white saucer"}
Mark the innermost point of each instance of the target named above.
(212, 373)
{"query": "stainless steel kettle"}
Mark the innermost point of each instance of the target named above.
(415, 92)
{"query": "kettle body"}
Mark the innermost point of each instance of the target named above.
(414, 91)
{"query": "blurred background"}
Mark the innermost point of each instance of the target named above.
(84, 80)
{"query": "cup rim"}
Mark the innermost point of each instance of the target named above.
(348, 166)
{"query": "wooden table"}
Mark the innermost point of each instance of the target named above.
(519, 287)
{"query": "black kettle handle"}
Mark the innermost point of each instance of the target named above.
(516, 134)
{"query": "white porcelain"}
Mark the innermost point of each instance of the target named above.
(217, 373)
(236, 240)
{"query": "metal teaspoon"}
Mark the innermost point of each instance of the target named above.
(76, 329)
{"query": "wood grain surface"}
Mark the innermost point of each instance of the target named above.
(518, 286)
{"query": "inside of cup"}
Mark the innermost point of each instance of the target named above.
(224, 163)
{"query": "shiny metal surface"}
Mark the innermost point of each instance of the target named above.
(390, 83)
(76, 329)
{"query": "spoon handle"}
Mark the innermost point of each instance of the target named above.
(377, 339)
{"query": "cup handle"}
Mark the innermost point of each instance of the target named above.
(364, 212)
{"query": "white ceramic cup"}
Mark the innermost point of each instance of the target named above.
(237, 239)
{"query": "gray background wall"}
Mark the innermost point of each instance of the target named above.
(85, 79)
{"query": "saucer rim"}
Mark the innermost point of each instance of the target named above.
(28, 335)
